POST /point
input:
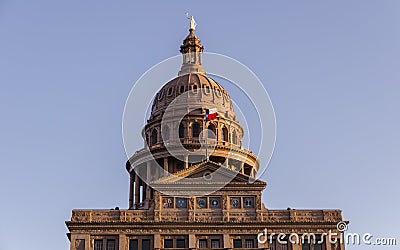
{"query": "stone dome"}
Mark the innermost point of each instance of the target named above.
(180, 134)
(197, 90)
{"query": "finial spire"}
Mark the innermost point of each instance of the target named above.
(193, 23)
(191, 50)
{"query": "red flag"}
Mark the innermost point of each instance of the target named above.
(211, 114)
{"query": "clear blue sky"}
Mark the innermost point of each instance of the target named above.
(66, 67)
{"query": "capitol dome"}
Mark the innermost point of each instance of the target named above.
(196, 89)
(179, 135)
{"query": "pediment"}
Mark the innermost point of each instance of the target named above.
(207, 172)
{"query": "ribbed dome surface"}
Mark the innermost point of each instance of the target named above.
(198, 89)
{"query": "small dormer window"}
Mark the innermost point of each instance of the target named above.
(170, 90)
(207, 89)
(182, 89)
(160, 94)
(218, 92)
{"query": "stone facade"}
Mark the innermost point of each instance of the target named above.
(193, 185)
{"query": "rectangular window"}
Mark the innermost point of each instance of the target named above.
(319, 243)
(168, 202)
(111, 245)
(249, 243)
(203, 243)
(248, 202)
(146, 244)
(305, 245)
(133, 245)
(98, 244)
(180, 243)
(81, 245)
(272, 244)
(283, 246)
(168, 243)
(215, 244)
(237, 243)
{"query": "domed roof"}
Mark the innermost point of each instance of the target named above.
(195, 90)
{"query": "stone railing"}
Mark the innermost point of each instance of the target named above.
(272, 216)
(302, 215)
(111, 215)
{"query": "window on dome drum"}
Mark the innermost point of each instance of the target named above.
(165, 132)
(98, 244)
(180, 243)
(111, 245)
(146, 244)
(168, 243)
(202, 243)
(194, 88)
(181, 131)
(237, 243)
(133, 245)
(224, 134)
(234, 137)
(195, 130)
(249, 243)
(154, 135)
(211, 131)
(215, 243)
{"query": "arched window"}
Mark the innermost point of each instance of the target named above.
(211, 131)
(181, 131)
(154, 138)
(194, 88)
(165, 132)
(195, 130)
(234, 137)
(224, 134)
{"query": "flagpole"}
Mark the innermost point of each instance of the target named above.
(206, 142)
(206, 136)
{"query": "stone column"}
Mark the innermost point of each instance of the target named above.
(72, 243)
(186, 161)
(192, 241)
(242, 167)
(166, 164)
(131, 181)
(122, 242)
(327, 243)
(227, 241)
(148, 176)
(226, 163)
(157, 241)
(137, 189)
